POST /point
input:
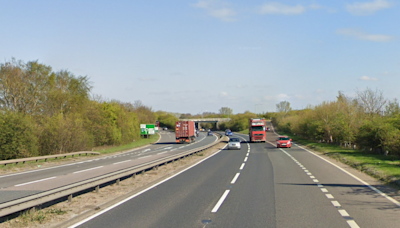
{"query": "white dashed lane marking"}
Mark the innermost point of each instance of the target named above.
(220, 201)
(35, 181)
(349, 221)
(88, 169)
(121, 162)
(235, 178)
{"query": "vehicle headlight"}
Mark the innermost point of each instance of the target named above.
(288, 142)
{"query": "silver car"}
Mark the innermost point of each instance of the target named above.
(234, 143)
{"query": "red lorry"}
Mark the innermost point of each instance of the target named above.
(257, 130)
(185, 131)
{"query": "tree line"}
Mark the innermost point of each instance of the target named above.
(43, 112)
(367, 121)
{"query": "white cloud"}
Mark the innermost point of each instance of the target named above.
(366, 78)
(367, 8)
(358, 34)
(217, 9)
(276, 97)
(278, 8)
(223, 94)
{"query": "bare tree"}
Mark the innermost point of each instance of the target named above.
(392, 108)
(225, 111)
(371, 101)
(283, 106)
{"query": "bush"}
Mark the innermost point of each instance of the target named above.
(17, 136)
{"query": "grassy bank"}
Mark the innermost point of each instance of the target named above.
(385, 168)
(246, 131)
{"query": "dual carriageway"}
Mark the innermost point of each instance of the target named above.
(257, 186)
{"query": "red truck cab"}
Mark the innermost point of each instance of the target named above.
(257, 130)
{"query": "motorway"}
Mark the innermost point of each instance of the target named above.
(257, 186)
(22, 184)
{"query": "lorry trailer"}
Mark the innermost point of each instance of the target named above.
(185, 131)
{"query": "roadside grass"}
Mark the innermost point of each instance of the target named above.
(102, 150)
(385, 168)
(245, 131)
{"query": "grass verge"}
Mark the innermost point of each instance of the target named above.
(385, 168)
(246, 131)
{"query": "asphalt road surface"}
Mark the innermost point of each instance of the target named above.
(257, 186)
(18, 185)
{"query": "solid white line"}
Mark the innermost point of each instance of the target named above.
(352, 224)
(88, 169)
(139, 193)
(324, 190)
(242, 166)
(245, 159)
(363, 182)
(121, 162)
(336, 203)
(34, 181)
(329, 196)
(235, 178)
(145, 157)
(220, 201)
(344, 213)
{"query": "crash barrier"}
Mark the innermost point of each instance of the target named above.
(28, 202)
(23, 160)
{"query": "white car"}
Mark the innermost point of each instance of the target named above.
(234, 143)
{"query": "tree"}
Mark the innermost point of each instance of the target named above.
(392, 108)
(371, 101)
(283, 107)
(225, 111)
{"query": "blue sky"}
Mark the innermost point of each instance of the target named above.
(197, 56)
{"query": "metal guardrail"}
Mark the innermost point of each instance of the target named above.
(23, 160)
(24, 203)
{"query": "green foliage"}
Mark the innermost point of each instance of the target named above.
(347, 121)
(166, 119)
(17, 136)
(239, 122)
(44, 112)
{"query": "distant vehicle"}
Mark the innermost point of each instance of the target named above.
(266, 128)
(257, 130)
(284, 141)
(210, 133)
(185, 131)
(165, 128)
(234, 143)
(229, 133)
